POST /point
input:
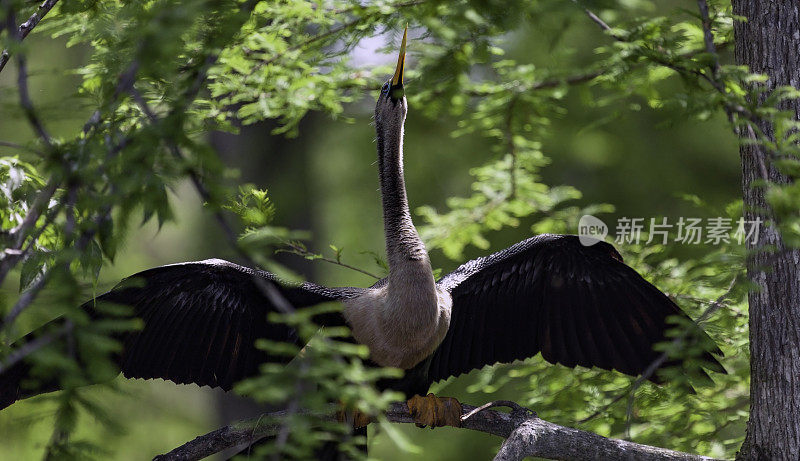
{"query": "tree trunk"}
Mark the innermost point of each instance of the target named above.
(769, 43)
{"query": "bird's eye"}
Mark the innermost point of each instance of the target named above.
(385, 88)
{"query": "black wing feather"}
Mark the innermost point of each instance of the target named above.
(597, 345)
(577, 305)
(201, 321)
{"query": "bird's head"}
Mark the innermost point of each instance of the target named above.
(392, 106)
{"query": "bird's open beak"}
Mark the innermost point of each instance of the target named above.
(397, 80)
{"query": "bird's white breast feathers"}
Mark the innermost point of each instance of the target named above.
(402, 322)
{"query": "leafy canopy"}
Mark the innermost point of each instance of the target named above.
(159, 75)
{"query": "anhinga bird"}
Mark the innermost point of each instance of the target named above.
(576, 304)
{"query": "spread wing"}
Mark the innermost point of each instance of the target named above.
(577, 305)
(201, 321)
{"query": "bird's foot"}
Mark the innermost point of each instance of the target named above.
(357, 418)
(435, 411)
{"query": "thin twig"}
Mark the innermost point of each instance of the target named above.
(519, 87)
(266, 287)
(14, 145)
(708, 36)
(25, 299)
(40, 203)
(571, 80)
(302, 251)
(300, 387)
(13, 255)
(510, 145)
(125, 81)
(27, 104)
(26, 27)
(629, 415)
(657, 57)
(762, 166)
(603, 25)
(576, 79)
(515, 408)
(712, 79)
(29, 348)
(30, 295)
(17, 235)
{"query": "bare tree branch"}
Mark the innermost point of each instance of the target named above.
(708, 36)
(30, 295)
(26, 27)
(27, 103)
(14, 253)
(300, 250)
(526, 435)
(22, 77)
(200, 76)
(543, 439)
(10, 259)
(29, 348)
(14, 145)
(265, 286)
(576, 79)
(606, 28)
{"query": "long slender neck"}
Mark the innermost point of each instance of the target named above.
(402, 241)
(410, 311)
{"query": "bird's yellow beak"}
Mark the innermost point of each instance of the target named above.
(397, 80)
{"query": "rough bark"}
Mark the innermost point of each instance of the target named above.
(539, 438)
(769, 43)
(526, 435)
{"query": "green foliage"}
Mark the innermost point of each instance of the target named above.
(157, 76)
(328, 369)
(253, 207)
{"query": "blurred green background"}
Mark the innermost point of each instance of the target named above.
(324, 181)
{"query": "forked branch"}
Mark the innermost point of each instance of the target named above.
(525, 434)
